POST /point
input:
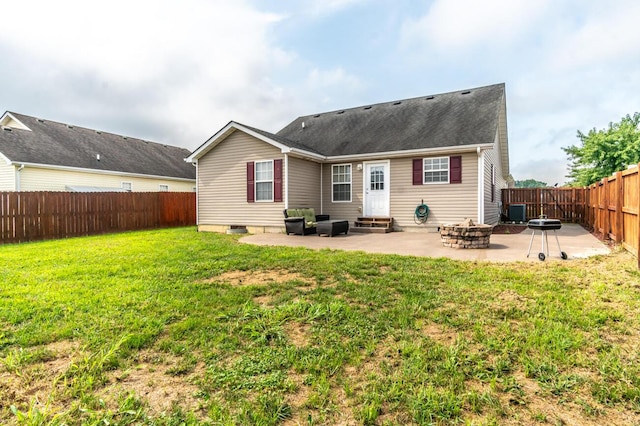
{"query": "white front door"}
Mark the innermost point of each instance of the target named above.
(376, 189)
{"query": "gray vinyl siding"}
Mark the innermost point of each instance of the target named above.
(492, 209)
(343, 209)
(304, 184)
(7, 177)
(222, 184)
(448, 203)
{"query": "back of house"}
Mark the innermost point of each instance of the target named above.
(448, 151)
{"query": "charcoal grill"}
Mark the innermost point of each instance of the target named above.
(544, 225)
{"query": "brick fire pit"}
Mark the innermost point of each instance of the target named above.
(466, 235)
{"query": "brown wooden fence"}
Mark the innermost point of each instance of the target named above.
(610, 207)
(30, 216)
(566, 204)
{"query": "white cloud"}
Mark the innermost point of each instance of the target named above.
(464, 24)
(200, 62)
(609, 32)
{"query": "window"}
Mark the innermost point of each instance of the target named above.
(377, 178)
(127, 186)
(163, 188)
(436, 170)
(264, 180)
(341, 182)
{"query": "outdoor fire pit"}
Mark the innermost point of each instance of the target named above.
(466, 235)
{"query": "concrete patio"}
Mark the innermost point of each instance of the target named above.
(574, 240)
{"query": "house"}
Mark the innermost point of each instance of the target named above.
(448, 151)
(43, 155)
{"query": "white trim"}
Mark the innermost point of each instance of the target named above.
(255, 181)
(6, 159)
(321, 188)
(7, 116)
(387, 182)
(197, 193)
(232, 126)
(440, 170)
(102, 172)
(225, 132)
(480, 186)
(350, 200)
(411, 152)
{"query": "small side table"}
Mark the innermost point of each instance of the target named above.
(332, 227)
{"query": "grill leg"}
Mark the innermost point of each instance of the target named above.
(533, 233)
(563, 255)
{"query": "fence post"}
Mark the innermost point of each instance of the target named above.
(619, 231)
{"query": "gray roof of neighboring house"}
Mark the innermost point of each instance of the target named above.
(464, 117)
(59, 144)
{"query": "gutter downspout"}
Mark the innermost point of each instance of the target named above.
(321, 179)
(18, 186)
(480, 185)
(195, 164)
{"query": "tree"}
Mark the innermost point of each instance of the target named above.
(604, 152)
(530, 183)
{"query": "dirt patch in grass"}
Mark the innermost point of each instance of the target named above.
(299, 334)
(439, 334)
(35, 384)
(151, 380)
(510, 298)
(243, 278)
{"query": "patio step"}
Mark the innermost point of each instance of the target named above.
(371, 224)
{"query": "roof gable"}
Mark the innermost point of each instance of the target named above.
(57, 144)
(8, 121)
(279, 142)
(455, 119)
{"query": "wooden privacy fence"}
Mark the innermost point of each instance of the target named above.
(30, 216)
(610, 207)
(566, 204)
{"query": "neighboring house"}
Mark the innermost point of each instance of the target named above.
(43, 155)
(449, 151)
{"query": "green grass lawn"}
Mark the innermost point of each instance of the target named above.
(175, 327)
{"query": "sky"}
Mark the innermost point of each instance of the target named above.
(177, 72)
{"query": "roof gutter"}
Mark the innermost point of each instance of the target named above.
(102, 172)
(391, 154)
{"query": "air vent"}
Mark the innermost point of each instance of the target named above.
(6, 129)
(124, 137)
(41, 120)
(466, 92)
(98, 132)
(69, 126)
(429, 97)
(397, 103)
(340, 112)
(316, 116)
(367, 107)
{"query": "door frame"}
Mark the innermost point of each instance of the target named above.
(387, 182)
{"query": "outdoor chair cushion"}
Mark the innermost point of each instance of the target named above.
(309, 216)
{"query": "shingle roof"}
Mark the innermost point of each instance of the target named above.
(466, 117)
(283, 140)
(59, 144)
